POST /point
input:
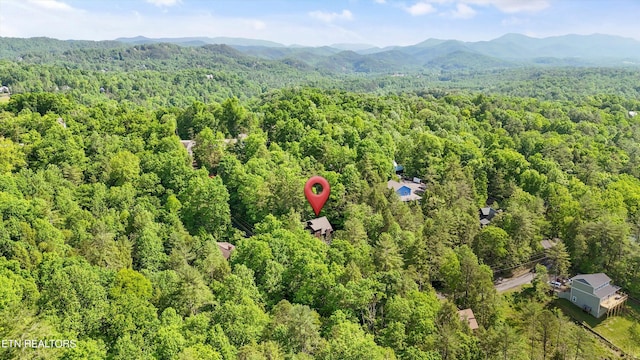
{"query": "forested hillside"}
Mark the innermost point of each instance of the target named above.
(171, 75)
(109, 229)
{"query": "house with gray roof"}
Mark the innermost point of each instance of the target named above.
(594, 294)
(321, 228)
(487, 214)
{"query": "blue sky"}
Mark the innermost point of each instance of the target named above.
(315, 22)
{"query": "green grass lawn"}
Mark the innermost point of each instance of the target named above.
(4, 98)
(614, 328)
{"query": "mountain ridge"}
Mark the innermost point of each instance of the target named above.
(507, 51)
(138, 40)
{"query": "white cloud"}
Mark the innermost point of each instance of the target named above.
(380, 1)
(258, 24)
(463, 11)
(51, 4)
(513, 6)
(20, 18)
(420, 8)
(331, 17)
(164, 2)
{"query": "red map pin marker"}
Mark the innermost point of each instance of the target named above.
(317, 200)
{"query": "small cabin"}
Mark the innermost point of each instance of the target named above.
(321, 228)
(486, 215)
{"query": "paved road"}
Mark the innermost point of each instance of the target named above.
(511, 283)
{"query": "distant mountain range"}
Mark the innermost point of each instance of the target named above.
(511, 50)
(506, 51)
(199, 41)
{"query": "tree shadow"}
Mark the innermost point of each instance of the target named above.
(575, 313)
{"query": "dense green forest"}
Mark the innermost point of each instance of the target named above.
(171, 75)
(108, 228)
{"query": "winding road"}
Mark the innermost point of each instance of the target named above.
(513, 282)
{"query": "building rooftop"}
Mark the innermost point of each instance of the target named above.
(548, 244)
(606, 291)
(593, 280)
(321, 224)
(397, 168)
(226, 249)
(467, 316)
(188, 144)
(488, 212)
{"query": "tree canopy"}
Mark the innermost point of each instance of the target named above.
(110, 229)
